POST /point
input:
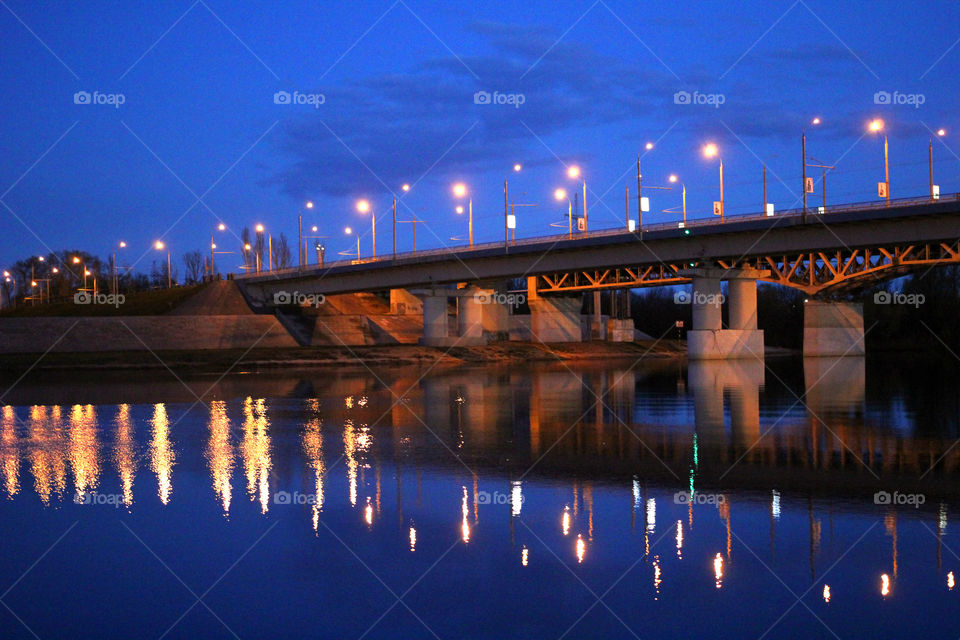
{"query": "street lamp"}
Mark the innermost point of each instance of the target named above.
(517, 167)
(561, 195)
(573, 172)
(876, 126)
(683, 190)
(934, 190)
(711, 151)
(460, 190)
(349, 231)
(159, 247)
(363, 206)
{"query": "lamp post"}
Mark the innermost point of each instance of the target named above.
(363, 206)
(348, 231)
(876, 126)
(506, 227)
(933, 192)
(460, 190)
(573, 172)
(561, 194)
(159, 246)
(648, 147)
(711, 151)
(683, 190)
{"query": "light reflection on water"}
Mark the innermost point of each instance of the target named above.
(723, 462)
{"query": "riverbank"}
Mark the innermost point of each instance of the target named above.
(221, 360)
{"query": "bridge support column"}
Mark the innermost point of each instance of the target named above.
(495, 307)
(553, 319)
(708, 340)
(833, 329)
(620, 324)
(435, 323)
(470, 304)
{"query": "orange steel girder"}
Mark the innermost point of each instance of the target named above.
(813, 272)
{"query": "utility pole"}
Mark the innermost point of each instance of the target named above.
(803, 188)
(639, 198)
(764, 189)
(394, 228)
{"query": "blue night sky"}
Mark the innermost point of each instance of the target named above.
(199, 138)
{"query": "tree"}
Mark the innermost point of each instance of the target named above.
(193, 267)
(281, 253)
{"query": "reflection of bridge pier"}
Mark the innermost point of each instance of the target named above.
(741, 380)
(835, 385)
(833, 329)
(708, 340)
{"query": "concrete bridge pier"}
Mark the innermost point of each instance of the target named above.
(495, 310)
(554, 319)
(436, 327)
(708, 340)
(833, 329)
(620, 324)
(470, 307)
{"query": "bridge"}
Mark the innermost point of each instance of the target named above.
(821, 251)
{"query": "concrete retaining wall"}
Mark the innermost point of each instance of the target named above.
(141, 333)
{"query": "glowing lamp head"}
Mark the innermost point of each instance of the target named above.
(573, 172)
(158, 245)
(876, 125)
(816, 121)
(405, 187)
(86, 272)
(459, 209)
(673, 177)
(560, 194)
(221, 227)
(942, 132)
(348, 230)
(33, 283)
(6, 274)
(648, 146)
(123, 244)
(363, 206)
(259, 228)
(40, 258)
(247, 247)
(517, 167)
(459, 189)
(314, 229)
(309, 204)
(710, 151)
(55, 270)
(76, 260)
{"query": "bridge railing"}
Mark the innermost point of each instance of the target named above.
(406, 257)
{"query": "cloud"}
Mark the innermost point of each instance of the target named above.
(383, 130)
